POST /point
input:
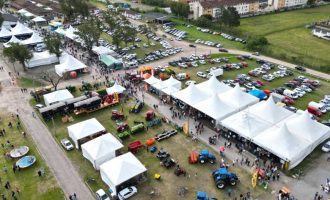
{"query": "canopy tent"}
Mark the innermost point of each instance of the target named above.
(68, 63)
(70, 33)
(215, 108)
(116, 88)
(41, 58)
(191, 95)
(22, 11)
(237, 98)
(311, 130)
(152, 80)
(159, 85)
(170, 90)
(84, 129)
(213, 85)
(57, 96)
(146, 76)
(5, 33)
(258, 93)
(101, 149)
(284, 144)
(108, 60)
(173, 82)
(34, 39)
(13, 39)
(39, 19)
(60, 31)
(101, 50)
(269, 111)
(28, 14)
(20, 29)
(121, 169)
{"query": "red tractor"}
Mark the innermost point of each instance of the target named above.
(122, 128)
(149, 115)
(116, 115)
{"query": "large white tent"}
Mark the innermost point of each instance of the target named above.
(121, 169)
(39, 19)
(152, 80)
(284, 144)
(57, 96)
(41, 58)
(101, 149)
(116, 88)
(237, 98)
(70, 33)
(84, 129)
(68, 63)
(191, 95)
(170, 90)
(159, 85)
(213, 85)
(34, 39)
(173, 82)
(215, 108)
(20, 29)
(5, 33)
(13, 39)
(101, 50)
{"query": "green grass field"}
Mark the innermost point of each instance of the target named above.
(28, 83)
(30, 185)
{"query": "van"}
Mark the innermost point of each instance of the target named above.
(320, 107)
(290, 94)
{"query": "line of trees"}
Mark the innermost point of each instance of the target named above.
(180, 9)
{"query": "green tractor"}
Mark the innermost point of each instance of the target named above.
(137, 128)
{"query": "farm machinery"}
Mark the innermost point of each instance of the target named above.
(203, 157)
(222, 178)
(203, 196)
(135, 146)
(137, 128)
(137, 107)
(123, 127)
(180, 170)
(149, 115)
(116, 115)
(165, 135)
(162, 154)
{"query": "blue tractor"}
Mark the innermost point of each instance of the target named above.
(222, 177)
(203, 196)
(206, 156)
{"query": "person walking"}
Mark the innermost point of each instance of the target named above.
(33, 114)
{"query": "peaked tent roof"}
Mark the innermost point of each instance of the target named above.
(101, 50)
(20, 29)
(5, 32)
(70, 33)
(159, 85)
(116, 88)
(170, 90)
(13, 39)
(215, 108)
(213, 85)
(34, 39)
(121, 169)
(39, 19)
(191, 95)
(173, 82)
(68, 63)
(152, 80)
(237, 98)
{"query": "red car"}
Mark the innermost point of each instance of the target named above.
(287, 100)
(314, 111)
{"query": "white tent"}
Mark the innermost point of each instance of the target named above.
(20, 29)
(116, 88)
(170, 90)
(60, 31)
(70, 33)
(101, 149)
(173, 82)
(13, 39)
(284, 144)
(41, 58)
(215, 108)
(101, 50)
(237, 98)
(39, 19)
(121, 169)
(5, 32)
(28, 14)
(191, 95)
(22, 11)
(311, 130)
(152, 80)
(84, 129)
(57, 96)
(68, 63)
(34, 39)
(213, 85)
(159, 85)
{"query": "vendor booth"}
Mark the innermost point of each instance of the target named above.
(20, 29)
(213, 85)
(13, 39)
(67, 64)
(41, 59)
(191, 95)
(5, 33)
(116, 88)
(57, 96)
(172, 82)
(34, 39)
(111, 62)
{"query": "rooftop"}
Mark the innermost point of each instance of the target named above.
(218, 3)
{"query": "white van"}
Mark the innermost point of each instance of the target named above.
(290, 94)
(319, 106)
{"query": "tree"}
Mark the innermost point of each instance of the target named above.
(17, 52)
(89, 31)
(229, 17)
(53, 45)
(180, 9)
(73, 8)
(257, 43)
(203, 22)
(51, 78)
(311, 2)
(128, 34)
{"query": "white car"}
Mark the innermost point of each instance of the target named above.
(67, 144)
(187, 83)
(281, 67)
(201, 74)
(202, 62)
(127, 193)
(101, 195)
(305, 88)
(326, 147)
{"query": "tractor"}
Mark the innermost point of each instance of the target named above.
(150, 115)
(206, 156)
(137, 107)
(137, 128)
(180, 170)
(162, 154)
(168, 162)
(203, 196)
(116, 115)
(122, 128)
(222, 177)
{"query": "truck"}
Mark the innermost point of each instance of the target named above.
(319, 106)
(223, 177)
(216, 72)
(290, 94)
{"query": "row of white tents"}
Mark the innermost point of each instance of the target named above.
(19, 29)
(169, 86)
(102, 152)
(34, 39)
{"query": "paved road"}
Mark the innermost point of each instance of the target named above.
(66, 174)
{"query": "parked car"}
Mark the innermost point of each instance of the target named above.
(326, 147)
(101, 195)
(127, 193)
(189, 82)
(67, 145)
(223, 50)
(300, 68)
(192, 45)
(201, 74)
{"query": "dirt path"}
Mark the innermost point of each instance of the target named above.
(12, 99)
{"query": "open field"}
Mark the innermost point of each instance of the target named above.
(179, 147)
(30, 185)
(28, 83)
(301, 103)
